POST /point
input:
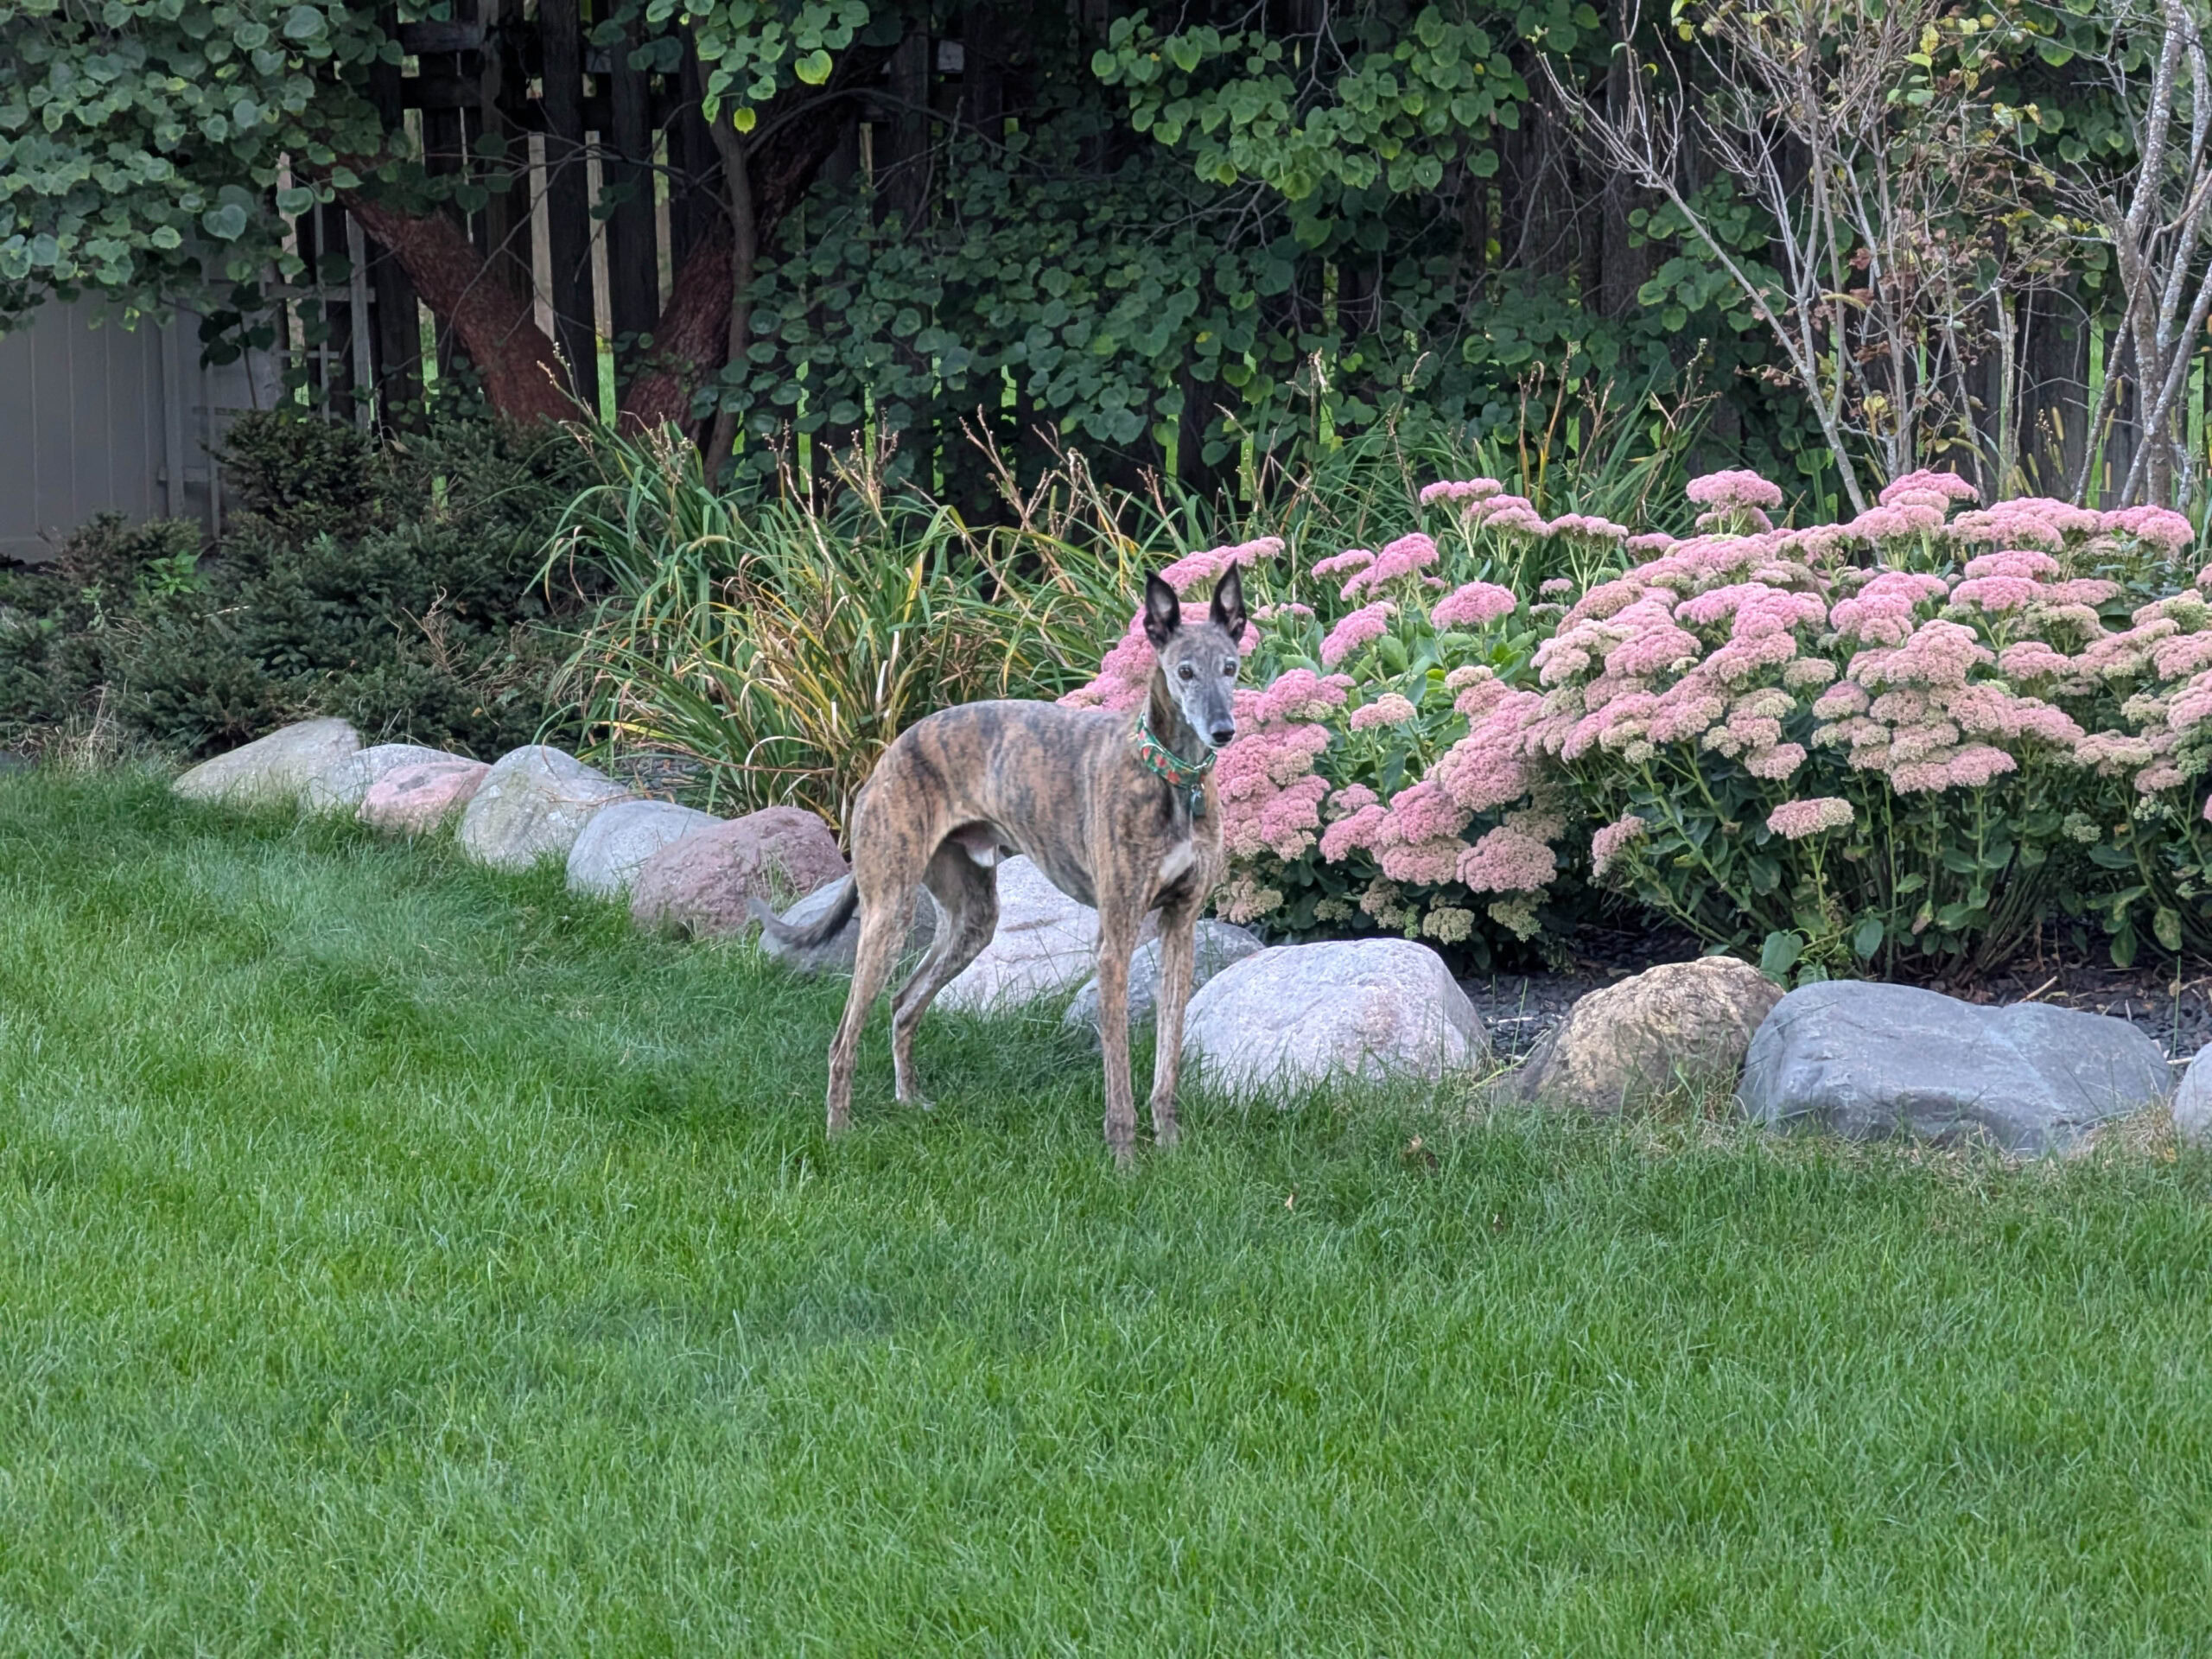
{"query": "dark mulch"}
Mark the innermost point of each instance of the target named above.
(1518, 1010)
(2171, 1003)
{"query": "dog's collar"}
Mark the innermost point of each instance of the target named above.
(1163, 762)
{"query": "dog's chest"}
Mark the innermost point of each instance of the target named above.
(1176, 862)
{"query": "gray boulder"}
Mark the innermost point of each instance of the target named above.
(703, 883)
(1046, 944)
(1684, 1021)
(532, 805)
(616, 842)
(413, 800)
(1294, 1015)
(272, 769)
(1870, 1061)
(345, 783)
(1218, 945)
(835, 953)
(2193, 1102)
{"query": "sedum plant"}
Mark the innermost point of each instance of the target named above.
(1909, 742)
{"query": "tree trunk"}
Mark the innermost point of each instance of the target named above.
(1624, 268)
(707, 309)
(493, 319)
(707, 316)
(690, 340)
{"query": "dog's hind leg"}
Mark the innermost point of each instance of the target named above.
(886, 912)
(968, 896)
(1178, 952)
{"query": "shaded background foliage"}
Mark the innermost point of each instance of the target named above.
(1193, 239)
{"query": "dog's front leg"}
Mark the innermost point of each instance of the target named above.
(1115, 941)
(1178, 955)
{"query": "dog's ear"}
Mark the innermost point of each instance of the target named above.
(1163, 612)
(1229, 604)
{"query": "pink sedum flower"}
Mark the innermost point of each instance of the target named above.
(1473, 606)
(1507, 860)
(1424, 812)
(2159, 527)
(1352, 558)
(1362, 628)
(1607, 846)
(1355, 832)
(1999, 595)
(1733, 489)
(1391, 709)
(1589, 526)
(1467, 489)
(1408, 556)
(1795, 820)
(1939, 490)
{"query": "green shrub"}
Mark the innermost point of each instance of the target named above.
(390, 583)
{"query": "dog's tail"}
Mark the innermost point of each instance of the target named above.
(811, 936)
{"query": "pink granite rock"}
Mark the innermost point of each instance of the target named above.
(701, 884)
(413, 800)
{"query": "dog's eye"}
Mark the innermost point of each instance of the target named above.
(1229, 667)
(1188, 672)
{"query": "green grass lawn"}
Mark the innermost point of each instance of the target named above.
(398, 1257)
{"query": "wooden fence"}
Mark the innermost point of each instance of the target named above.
(610, 173)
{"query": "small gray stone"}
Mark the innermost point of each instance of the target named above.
(835, 953)
(1688, 1021)
(1217, 945)
(343, 785)
(271, 769)
(1869, 1061)
(616, 842)
(701, 884)
(1294, 1015)
(532, 805)
(2193, 1102)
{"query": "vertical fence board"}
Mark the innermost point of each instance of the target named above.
(568, 204)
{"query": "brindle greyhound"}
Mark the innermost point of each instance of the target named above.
(1119, 813)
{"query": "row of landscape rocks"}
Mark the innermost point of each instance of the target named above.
(1860, 1060)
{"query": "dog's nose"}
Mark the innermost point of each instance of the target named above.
(1222, 735)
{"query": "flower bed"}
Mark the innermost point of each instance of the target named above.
(1934, 731)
